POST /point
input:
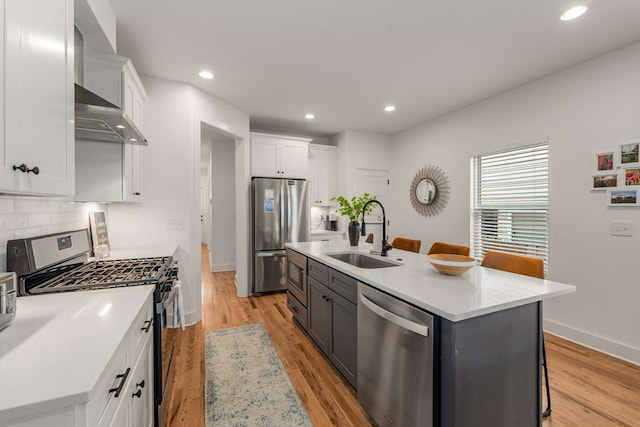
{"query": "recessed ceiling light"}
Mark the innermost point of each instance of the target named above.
(205, 74)
(120, 126)
(133, 140)
(389, 108)
(309, 116)
(573, 13)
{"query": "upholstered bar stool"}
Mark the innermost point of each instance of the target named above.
(527, 266)
(448, 248)
(406, 244)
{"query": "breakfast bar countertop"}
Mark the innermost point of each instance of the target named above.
(479, 291)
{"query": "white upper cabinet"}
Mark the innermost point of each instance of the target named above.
(36, 125)
(322, 160)
(277, 156)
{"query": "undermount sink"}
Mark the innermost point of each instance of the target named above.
(361, 260)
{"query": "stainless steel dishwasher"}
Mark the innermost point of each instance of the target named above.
(395, 360)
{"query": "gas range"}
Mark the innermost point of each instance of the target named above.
(60, 262)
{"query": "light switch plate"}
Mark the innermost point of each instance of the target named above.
(621, 228)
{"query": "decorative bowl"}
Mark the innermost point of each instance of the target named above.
(450, 264)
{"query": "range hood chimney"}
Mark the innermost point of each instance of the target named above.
(96, 118)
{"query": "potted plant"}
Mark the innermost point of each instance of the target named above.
(353, 209)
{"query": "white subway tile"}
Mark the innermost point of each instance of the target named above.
(14, 221)
(27, 206)
(38, 220)
(6, 205)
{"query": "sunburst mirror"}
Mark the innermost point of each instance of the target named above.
(429, 191)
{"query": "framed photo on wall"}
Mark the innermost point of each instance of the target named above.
(632, 176)
(630, 153)
(622, 197)
(604, 161)
(604, 181)
(99, 236)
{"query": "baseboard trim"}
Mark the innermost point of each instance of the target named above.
(612, 348)
(222, 267)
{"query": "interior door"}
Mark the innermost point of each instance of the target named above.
(376, 183)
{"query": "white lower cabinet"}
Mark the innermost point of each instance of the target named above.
(123, 395)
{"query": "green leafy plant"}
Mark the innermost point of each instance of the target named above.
(353, 208)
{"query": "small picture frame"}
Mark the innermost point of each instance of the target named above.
(604, 161)
(632, 176)
(630, 153)
(604, 181)
(99, 236)
(622, 197)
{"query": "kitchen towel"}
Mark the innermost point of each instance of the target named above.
(178, 306)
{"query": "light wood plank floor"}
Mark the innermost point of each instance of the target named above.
(587, 388)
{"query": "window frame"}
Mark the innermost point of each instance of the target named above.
(510, 201)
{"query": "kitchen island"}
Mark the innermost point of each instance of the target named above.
(486, 335)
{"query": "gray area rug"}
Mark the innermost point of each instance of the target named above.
(247, 384)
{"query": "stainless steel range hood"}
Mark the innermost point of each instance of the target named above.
(96, 118)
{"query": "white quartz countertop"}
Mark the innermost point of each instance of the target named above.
(477, 292)
(57, 347)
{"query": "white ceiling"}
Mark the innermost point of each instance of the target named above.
(344, 60)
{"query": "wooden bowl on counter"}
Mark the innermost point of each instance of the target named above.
(450, 264)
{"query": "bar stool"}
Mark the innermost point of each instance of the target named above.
(528, 266)
(448, 248)
(406, 244)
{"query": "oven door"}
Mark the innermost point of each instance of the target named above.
(165, 352)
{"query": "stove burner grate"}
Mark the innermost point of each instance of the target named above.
(108, 273)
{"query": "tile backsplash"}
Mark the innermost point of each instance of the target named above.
(23, 216)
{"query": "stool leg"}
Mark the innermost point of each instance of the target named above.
(547, 411)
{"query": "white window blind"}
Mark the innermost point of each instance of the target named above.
(510, 201)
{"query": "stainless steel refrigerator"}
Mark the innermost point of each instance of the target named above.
(280, 215)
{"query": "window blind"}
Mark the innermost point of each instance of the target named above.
(510, 202)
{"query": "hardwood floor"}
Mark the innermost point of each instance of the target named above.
(587, 388)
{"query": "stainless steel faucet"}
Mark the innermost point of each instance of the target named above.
(385, 246)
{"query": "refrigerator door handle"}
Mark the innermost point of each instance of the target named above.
(284, 206)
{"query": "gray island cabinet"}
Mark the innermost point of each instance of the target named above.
(486, 332)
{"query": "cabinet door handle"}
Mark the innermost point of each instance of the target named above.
(25, 169)
(140, 384)
(147, 325)
(123, 380)
(137, 193)
(137, 393)
(295, 309)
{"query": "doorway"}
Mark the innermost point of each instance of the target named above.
(218, 197)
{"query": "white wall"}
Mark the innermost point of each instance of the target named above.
(359, 150)
(581, 110)
(171, 182)
(223, 210)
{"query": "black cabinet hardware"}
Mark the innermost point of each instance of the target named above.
(25, 169)
(140, 384)
(147, 325)
(123, 380)
(137, 393)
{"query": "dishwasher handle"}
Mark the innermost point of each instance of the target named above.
(394, 318)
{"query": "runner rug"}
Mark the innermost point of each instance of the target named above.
(247, 384)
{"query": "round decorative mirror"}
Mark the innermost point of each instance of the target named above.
(426, 191)
(429, 191)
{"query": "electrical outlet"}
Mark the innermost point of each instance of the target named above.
(175, 224)
(621, 228)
